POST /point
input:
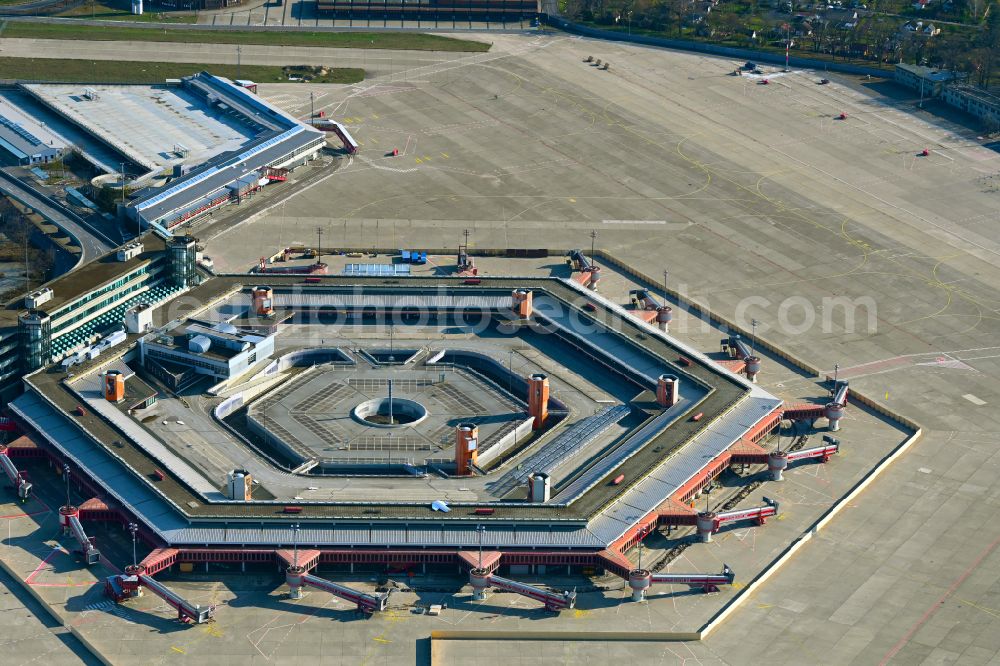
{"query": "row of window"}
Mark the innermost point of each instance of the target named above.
(187, 359)
(113, 299)
(974, 106)
(97, 293)
(69, 322)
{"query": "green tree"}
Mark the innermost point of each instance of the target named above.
(989, 45)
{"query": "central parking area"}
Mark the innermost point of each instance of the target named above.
(330, 414)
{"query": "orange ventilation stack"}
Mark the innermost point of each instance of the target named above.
(521, 303)
(114, 386)
(466, 448)
(538, 399)
(263, 301)
(668, 390)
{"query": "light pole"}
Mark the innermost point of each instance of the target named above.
(295, 545)
(788, 44)
(510, 371)
(480, 530)
(133, 529)
(390, 403)
(639, 564)
(753, 336)
(27, 265)
(593, 239)
(66, 476)
(506, 228)
(836, 371)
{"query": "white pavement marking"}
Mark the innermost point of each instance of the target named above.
(634, 221)
(769, 75)
(974, 400)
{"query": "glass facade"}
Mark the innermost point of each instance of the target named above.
(182, 261)
(217, 368)
(77, 317)
(97, 293)
(34, 329)
(31, 347)
(106, 296)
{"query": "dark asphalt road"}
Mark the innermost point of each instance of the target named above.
(92, 243)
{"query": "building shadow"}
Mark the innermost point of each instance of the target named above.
(905, 99)
(312, 603)
(560, 270)
(492, 607)
(47, 619)
(128, 611)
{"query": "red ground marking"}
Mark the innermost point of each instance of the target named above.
(63, 584)
(24, 515)
(937, 604)
(42, 564)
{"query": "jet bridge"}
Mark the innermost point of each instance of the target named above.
(124, 586)
(297, 578)
(481, 579)
(69, 519)
(18, 480)
(640, 580)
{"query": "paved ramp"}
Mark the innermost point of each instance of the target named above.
(92, 242)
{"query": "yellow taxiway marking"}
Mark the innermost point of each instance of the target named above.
(212, 631)
(989, 611)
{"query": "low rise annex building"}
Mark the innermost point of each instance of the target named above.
(281, 142)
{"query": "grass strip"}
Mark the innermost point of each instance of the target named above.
(117, 71)
(413, 41)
